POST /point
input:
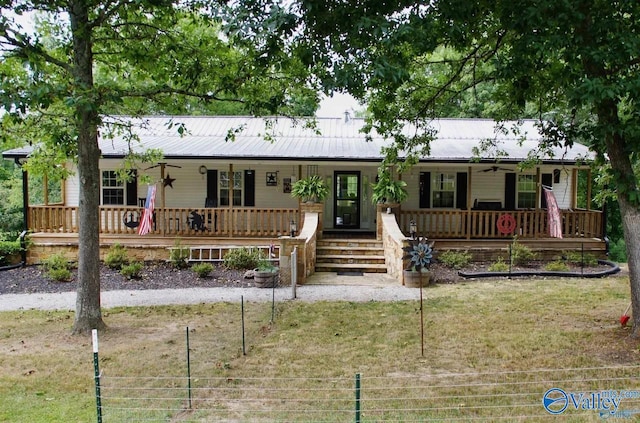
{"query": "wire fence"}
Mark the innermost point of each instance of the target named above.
(577, 394)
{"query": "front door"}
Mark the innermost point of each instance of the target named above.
(346, 209)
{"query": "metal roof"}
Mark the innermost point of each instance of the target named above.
(333, 139)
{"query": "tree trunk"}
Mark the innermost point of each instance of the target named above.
(629, 212)
(631, 223)
(88, 312)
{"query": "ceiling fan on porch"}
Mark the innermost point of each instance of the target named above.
(495, 169)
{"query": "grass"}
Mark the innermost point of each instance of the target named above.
(472, 328)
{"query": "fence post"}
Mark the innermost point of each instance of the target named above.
(188, 368)
(244, 351)
(357, 397)
(96, 370)
(294, 271)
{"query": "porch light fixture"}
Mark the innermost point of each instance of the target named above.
(293, 228)
(413, 228)
(202, 170)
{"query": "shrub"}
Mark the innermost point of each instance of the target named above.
(618, 251)
(117, 257)
(499, 266)
(8, 249)
(59, 275)
(556, 266)
(203, 270)
(179, 255)
(576, 257)
(242, 258)
(132, 270)
(455, 259)
(521, 254)
(57, 268)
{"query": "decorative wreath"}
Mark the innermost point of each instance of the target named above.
(131, 219)
(506, 224)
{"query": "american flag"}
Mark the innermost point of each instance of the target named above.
(146, 221)
(555, 220)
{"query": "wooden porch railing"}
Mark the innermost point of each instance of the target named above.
(223, 222)
(476, 224)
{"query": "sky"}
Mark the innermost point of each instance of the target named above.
(336, 105)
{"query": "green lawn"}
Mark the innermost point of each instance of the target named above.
(472, 328)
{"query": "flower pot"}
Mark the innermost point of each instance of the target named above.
(265, 278)
(414, 279)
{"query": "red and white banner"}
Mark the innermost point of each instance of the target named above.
(555, 220)
(146, 221)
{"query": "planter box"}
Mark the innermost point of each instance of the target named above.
(265, 278)
(416, 279)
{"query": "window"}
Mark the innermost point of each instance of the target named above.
(230, 189)
(443, 190)
(112, 188)
(526, 192)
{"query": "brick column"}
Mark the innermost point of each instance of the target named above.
(383, 208)
(287, 244)
(316, 208)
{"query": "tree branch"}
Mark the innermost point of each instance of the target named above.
(24, 48)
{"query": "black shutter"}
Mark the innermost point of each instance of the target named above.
(510, 191)
(132, 189)
(547, 180)
(249, 188)
(425, 190)
(212, 189)
(461, 190)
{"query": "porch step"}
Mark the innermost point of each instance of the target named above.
(335, 255)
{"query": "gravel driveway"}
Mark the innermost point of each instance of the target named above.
(149, 297)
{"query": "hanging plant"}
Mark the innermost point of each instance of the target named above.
(312, 189)
(388, 190)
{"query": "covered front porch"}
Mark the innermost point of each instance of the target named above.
(224, 222)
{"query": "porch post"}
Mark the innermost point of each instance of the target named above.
(469, 187)
(25, 196)
(589, 189)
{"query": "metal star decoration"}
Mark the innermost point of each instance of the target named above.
(168, 181)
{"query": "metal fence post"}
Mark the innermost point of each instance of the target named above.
(96, 370)
(188, 368)
(358, 398)
(244, 350)
(294, 271)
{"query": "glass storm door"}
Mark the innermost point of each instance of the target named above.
(347, 200)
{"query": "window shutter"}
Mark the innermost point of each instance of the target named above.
(510, 191)
(425, 190)
(212, 189)
(132, 189)
(249, 188)
(461, 190)
(547, 179)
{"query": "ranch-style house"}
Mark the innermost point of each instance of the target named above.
(226, 181)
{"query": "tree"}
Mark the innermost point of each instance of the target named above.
(89, 57)
(574, 65)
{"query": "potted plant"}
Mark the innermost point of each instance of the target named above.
(265, 275)
(387, 190)
(310, 189)
(419, 252)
